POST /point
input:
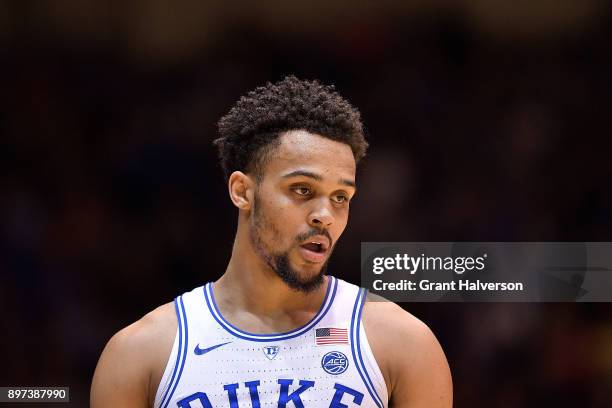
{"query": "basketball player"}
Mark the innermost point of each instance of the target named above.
(275, 330)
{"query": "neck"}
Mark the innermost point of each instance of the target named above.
(251, 294)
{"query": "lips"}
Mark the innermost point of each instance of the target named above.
(315, 248)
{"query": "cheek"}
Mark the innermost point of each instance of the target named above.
(275, 200)
(281, 219)
(340, 225)
(286, 210)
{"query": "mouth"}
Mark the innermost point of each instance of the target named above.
(315, 249)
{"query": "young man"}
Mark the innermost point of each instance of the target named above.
(275, 330)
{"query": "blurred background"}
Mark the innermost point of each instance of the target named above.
(488, 120)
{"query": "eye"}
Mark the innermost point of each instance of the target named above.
(301, 190)
(340, 199)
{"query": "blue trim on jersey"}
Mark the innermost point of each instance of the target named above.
(365, 291)
(355, 344)
(178, 354)
(325, 306)
(183, 358)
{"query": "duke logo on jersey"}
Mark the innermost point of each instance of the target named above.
(284, 396)
(270, 351)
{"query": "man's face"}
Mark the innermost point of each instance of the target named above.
(301, 206)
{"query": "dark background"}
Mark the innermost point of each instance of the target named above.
(488, 120)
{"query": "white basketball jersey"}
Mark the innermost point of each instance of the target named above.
(325, 363)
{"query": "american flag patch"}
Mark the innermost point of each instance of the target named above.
(331, 335)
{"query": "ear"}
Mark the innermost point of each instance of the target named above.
(241, 189)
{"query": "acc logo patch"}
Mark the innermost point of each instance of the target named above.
(334, 362)
(270, 351)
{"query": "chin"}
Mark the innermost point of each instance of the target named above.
(309, 270)
(310, 284)
(303, 277)
(309, 276)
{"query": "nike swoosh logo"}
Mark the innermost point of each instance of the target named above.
(199, 351)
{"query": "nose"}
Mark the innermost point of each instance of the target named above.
(321, 216)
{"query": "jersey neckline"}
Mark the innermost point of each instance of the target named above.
(330, 294)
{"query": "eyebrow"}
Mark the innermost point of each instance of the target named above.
(317, 177)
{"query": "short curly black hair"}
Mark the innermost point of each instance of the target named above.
(253, 126)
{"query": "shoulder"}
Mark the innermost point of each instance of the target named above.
(408, 353)
(379, 313)
(394, 334)
(133, 361)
